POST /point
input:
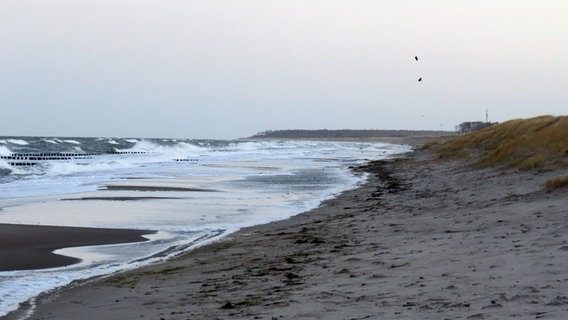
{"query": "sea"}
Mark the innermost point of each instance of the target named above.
(191, 192)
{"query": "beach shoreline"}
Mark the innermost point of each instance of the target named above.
(248, 183)
(421, 239)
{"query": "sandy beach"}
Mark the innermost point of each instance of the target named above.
(24, 247)
(421, 239)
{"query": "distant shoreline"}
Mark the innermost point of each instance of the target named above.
(415, 141)
(347, 133)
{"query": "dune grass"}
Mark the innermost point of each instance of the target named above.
(557, 182)
(539, 143)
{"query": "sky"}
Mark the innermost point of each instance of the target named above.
(226, 69)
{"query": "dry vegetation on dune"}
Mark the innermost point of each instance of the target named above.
(539, 143)
(557, 182)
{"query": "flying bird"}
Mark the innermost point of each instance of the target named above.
(419, 79)
(416, 58)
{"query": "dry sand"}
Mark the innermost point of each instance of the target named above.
(422, 239)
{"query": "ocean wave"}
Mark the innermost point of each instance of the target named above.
(172, 148)
(18, 142)
(54, 168)
(72, 141)
(4, 151)
(4, 171)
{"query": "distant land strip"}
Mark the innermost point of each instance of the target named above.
(344, 133)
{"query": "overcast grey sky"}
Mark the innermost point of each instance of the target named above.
(229, 69)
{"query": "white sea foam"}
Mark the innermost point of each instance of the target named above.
(4, 151)
(18, 142)
(71, 141)
(151, 146)
(85, 166)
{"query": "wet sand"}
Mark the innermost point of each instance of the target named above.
(422, 239)
(152, 188)
(25, 247)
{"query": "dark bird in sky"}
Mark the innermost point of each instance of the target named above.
(416, 58)
(419, 79)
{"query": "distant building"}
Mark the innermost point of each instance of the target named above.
(466, 127)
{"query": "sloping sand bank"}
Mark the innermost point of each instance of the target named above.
(423, 239)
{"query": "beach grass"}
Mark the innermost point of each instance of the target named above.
(536, 143)
(123, 281)
(557, 182)
(539, 143)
